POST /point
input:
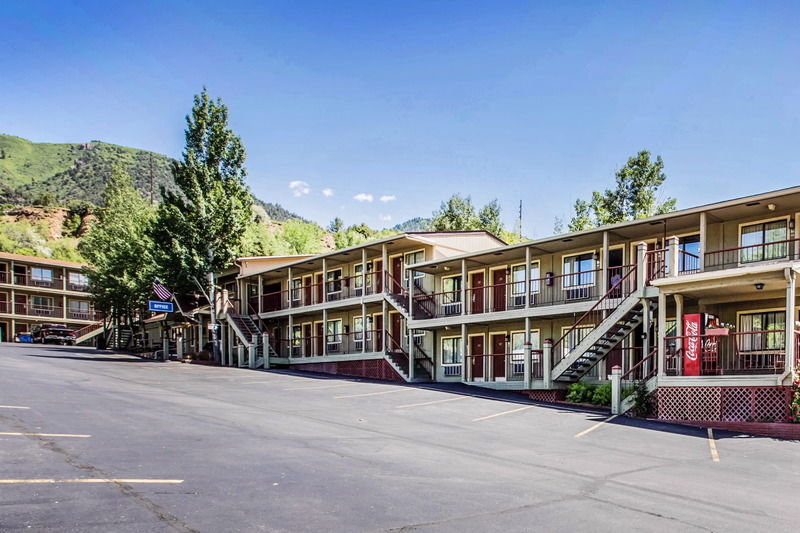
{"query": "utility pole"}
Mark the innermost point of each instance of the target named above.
(212, 307)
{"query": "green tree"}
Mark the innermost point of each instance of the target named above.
(200, 227)
(45, 199)
(489, 218)
(119, 250)
(459, 214)
(635, 195)
(336, 225)
(303, 237)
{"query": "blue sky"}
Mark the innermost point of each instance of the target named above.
(409, 102)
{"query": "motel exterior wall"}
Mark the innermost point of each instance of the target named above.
(36, 291)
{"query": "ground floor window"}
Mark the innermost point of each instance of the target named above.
(451, 351)
(767, 331)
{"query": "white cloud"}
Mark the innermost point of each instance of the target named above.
(386, 218)
(299, 188)
(388, 198)
(327, 192)
(363, 197)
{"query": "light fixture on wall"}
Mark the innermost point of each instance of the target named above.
(771, 207)
(759, 286)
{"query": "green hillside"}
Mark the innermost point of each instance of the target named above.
(73, 171)
(79, 172)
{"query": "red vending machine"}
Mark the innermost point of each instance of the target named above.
(694, 327)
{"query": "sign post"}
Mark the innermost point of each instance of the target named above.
(160, 307)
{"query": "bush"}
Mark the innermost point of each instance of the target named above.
(642, 401)
(602, 395)
(581, 392)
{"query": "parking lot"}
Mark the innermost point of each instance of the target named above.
(94, 441)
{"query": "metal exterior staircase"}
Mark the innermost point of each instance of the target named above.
(398, 357)
(244, 326)
(612, 318)
(89, 332)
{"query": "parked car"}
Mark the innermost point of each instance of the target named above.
(53, 334)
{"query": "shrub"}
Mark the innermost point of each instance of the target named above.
(642, 401)
(581, 392)
(794, 408)
(602, 395)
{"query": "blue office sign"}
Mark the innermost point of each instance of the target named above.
(160, 307)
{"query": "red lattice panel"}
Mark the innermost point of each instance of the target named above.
(367, 368)
(726, 404)
(556, 395)
(688, 403)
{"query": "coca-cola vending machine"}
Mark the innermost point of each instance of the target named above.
(694, 326)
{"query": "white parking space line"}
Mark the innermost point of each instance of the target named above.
(434, 402)
(321, 387)
(89, 480)
(712, 446)
(21, 434)
(502, 413)
(586, 431)
(13, 407)
(373, 393)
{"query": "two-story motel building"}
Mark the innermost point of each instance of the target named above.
(700, 303)
(37, 290)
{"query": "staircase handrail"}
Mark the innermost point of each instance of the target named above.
(623, 288)
(653, 367)
(88, 329)
(395, 343)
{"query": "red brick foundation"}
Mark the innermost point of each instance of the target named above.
(780, 431)
(368, 368)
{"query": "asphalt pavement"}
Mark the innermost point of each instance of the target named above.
(95, 442)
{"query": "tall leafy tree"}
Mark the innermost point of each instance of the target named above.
(200, 227)
(459, 214)
(635, 195)
(118, 249)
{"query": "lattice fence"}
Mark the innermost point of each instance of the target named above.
(556, 395)
(729, 404)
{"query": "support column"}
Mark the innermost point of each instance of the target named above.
(674, 259)
(641, 265)
(364, 328)
(289, 290)
(547, 363)
(290, 337)
(384, 329)
(200, 335)
(791, 315)
(251, 352)
(384, 277)
(259, 304)
(528, 287)
(662, 328)
(410, 275)
(324, 332)
(464, 275)
(364, 275)
(224, 340)
(527, 347)
(179, 344)
(324, 279)
(464, 346)
(703, 240)
(411, 349)
(604, 260)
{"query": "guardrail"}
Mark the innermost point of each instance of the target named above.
(741, 353)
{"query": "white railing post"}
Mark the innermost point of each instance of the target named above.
(240, 355)
(790, 355)
(674, 259)
(527, 372)
(251, 355)
(616, 391)
(179, 346)
(547, 363)
(641, 265)
(265, 343)
(703, 243)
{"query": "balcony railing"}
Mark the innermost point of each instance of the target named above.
(338, 344)
(752, 254)
(84, 314)
(496, 367)
(741, 353)
(38, 310)
(38, 281)
(335, 290)
(28, 309)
